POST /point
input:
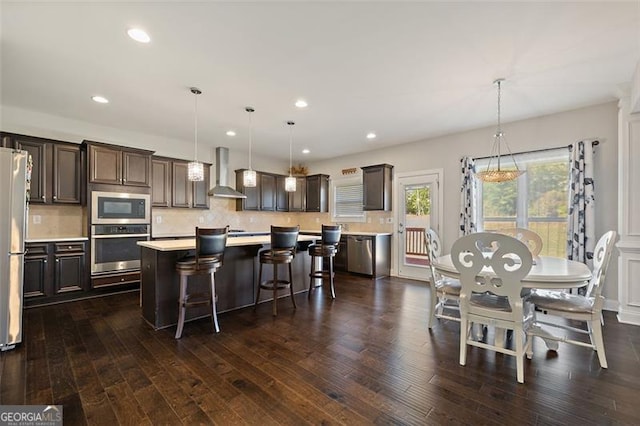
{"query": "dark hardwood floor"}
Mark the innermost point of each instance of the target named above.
(365, 358)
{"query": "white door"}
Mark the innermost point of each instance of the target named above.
(418, 210)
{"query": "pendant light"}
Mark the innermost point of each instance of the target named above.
(498, 174)
(249, 178)
(290, 182)
(195, 169)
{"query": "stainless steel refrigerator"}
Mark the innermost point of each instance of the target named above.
(13, 219)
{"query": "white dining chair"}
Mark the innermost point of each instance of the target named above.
(586, 308)
(531, 239)
(445, 291)
(493, 296)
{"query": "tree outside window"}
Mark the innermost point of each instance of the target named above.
(537, 200)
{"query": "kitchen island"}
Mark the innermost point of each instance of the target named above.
(235, 280)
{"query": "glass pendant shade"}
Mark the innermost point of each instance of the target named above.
(290, 181)
(249, 178)
(290, 184)
(195, 171)
(497, 174)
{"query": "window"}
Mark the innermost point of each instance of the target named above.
(347, 200)
(537, 200)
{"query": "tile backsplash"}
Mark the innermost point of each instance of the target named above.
(56, 221)
(70, 221)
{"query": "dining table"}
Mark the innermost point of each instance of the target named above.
(547, 272)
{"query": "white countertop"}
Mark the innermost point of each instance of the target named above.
(55, 239)
(190, 244)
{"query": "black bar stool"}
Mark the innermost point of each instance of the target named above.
(284, 240)
(210, 245)
(326, 248)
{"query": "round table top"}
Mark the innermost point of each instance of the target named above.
(547, 272)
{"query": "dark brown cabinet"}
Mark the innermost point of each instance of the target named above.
(377, 187)
(161, 182)
(267, 192)
(317, 193)
(252, 202)
(171, 186)
(298, 199)
(56, 175)
(282, 196)
(311, 194)
(54, 268)
(110, 164)
(262, 197)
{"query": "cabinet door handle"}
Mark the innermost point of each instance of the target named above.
(124, 180)
(43, 197)
(55, 197)
(44, 261)
(57, 260)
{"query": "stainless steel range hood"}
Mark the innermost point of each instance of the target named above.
(222, 171)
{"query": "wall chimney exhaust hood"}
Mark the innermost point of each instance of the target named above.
(222, 189)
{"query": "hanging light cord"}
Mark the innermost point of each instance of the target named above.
(250, 110)
(290, 123)
(195, 156)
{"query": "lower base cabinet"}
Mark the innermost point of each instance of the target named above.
(54, 268)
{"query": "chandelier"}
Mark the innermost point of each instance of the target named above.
(195, 169)
(497, 173)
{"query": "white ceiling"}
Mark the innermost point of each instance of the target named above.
(406, 71)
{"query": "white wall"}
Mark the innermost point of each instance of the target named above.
(596, 122)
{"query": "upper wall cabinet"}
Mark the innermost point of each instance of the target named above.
(115, 165)
(171, 186)
(317, 193)
(180, 185)
(298, 199)
(376, 187)
(253, 193)
(56, 176)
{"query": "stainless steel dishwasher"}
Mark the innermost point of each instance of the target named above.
(360, 254)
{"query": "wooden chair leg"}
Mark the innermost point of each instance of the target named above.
(598, 342)
(434, 304)
(182, 308)
(464, 332)
(214, 312)
(293, 299)
(517, 336)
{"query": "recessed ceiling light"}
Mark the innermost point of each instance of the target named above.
(231, 133)
(371, 135)
(100, 99)
(305, 151)
(139, 35)
(301, 103)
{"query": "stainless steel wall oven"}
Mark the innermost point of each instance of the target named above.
(114, 248)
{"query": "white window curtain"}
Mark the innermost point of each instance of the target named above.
(468, 195)
(581, 233)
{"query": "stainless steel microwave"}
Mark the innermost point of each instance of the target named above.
(120, 208)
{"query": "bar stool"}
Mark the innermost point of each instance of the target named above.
(326, 248)
(284, 240)
(210, 245)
